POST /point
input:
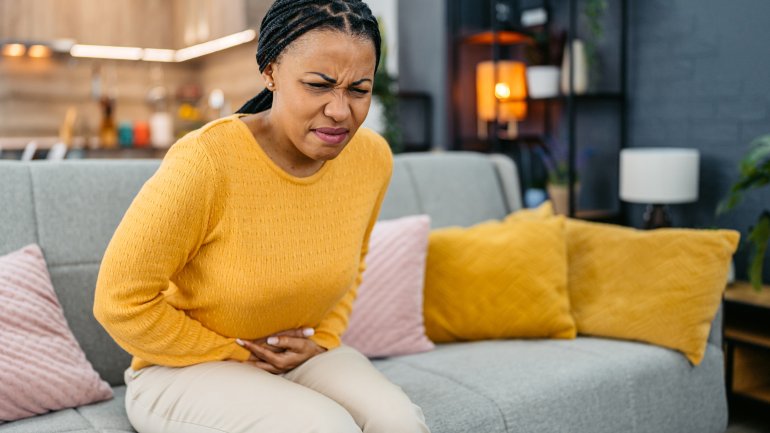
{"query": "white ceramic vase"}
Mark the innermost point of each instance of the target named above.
(543, 81)
(580, 68)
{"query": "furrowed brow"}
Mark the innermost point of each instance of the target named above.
(325, 77)
(333, 81)
(361, 81)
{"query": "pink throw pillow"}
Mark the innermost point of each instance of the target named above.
(42, 367)
(387, 318)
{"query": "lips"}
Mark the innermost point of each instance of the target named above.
(331, 135)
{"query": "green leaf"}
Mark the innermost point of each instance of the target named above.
(730, 201)
(754, 173)
(759, 153)
(759, 236)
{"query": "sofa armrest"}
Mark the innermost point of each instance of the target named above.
(715, 336)
(508, 176)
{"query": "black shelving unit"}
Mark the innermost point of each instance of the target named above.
(477, 34)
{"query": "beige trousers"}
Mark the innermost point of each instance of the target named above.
(338, 391)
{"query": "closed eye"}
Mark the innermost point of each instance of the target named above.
(359, 91)
(318, 85)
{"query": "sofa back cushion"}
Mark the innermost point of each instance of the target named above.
(72, 208)
(453, 188)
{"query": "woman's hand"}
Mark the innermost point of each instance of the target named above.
(297, 333)
(282, 352)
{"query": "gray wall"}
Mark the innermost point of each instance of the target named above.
(699, 76)
(422, 59)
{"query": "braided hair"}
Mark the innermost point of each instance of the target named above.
(286, 20)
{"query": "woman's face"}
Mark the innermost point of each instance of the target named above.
(322, 91)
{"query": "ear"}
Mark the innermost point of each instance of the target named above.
(268, 75)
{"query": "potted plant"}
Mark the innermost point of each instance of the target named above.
(754, 174)
(584, 51)
(555, 157)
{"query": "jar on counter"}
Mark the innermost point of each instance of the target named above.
(126, 134)
(141, 134)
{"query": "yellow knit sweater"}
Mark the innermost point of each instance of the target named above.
(221, 243)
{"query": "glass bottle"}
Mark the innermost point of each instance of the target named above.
(108, 133)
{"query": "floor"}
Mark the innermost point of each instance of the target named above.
(749, 419)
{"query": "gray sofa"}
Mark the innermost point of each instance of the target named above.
(592, 385)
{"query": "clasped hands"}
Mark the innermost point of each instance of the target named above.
(282, 352)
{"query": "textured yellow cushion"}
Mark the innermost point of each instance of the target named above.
(498, 280)
(545, 210)
(659, 286)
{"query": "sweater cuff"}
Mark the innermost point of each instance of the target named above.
(239, 353)
(326, 340)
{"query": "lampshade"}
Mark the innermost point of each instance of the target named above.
(660, 175)
(503, 81)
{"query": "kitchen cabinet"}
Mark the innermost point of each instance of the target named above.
(141, 23)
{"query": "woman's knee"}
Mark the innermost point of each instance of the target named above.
(397, 414)
(407, 422)
(326, 416)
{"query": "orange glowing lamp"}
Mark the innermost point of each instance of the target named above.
(501, 92)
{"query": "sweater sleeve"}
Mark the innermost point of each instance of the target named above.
(161, 231)
(329, 331)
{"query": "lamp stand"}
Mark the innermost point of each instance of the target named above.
(511, 130)
(483, 128)
(656, 217)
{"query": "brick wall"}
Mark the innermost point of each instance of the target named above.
(699, 76)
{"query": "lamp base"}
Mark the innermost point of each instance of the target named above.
(656, 217)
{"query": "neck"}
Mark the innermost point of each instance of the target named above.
(277, 145)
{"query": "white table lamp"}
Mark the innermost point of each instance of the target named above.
(659, 176)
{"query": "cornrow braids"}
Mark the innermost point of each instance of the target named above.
(286, 20)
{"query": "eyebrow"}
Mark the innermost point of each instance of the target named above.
(333, 81)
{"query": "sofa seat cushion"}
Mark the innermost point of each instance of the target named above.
(586, 384)
(581, 385)
(103, 417)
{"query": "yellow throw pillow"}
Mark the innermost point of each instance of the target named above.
(659, 286)
(545, 210)
(498, 280)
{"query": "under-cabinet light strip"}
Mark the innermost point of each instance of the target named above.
(162, 55)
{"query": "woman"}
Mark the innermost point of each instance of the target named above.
(232, 274)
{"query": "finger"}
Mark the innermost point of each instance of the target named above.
(264, 354)
(293, 344)
(272, 348)
(256, 361)
(298, 333)
(270, 368)
(255, 349)
(264, 345)
(255, 358)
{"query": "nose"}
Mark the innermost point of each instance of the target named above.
(338, 108)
